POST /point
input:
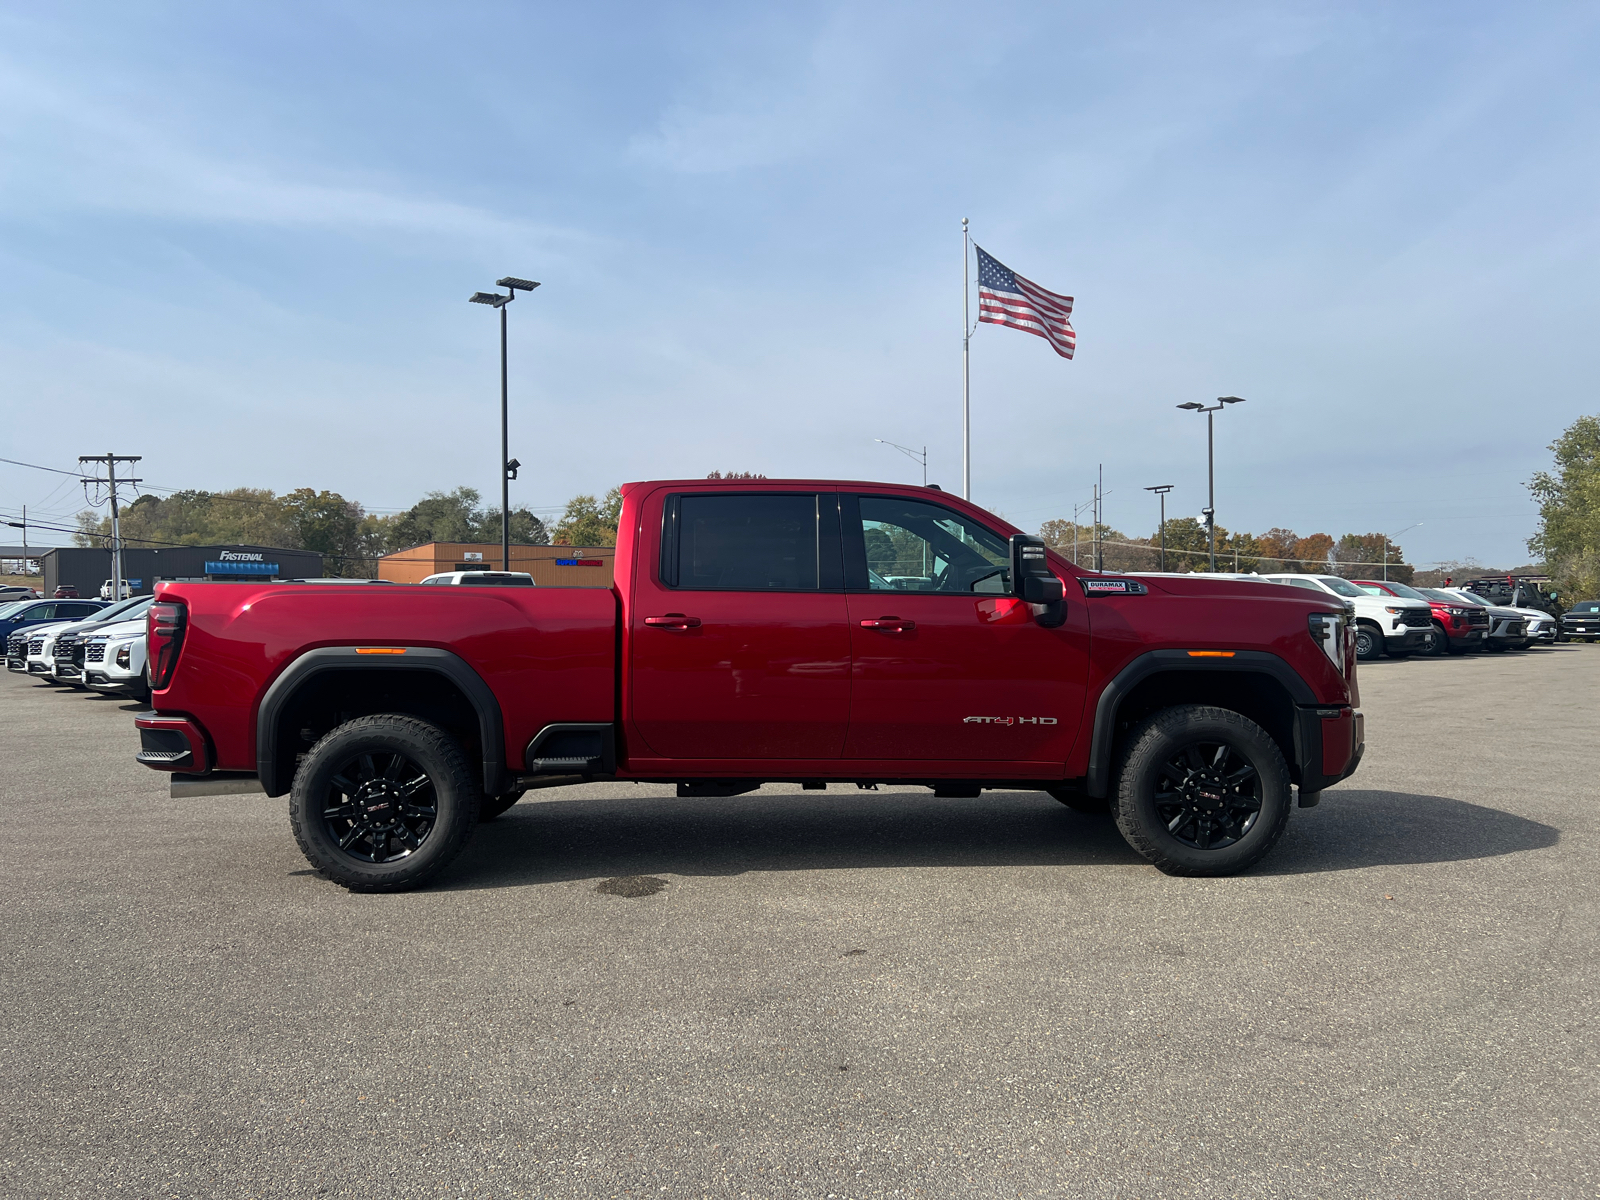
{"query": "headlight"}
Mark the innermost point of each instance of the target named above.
(1389, 608)
(1328, 631)
(1459, 612)
(124, 656)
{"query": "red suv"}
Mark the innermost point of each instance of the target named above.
(1456, 627)
(65, 592)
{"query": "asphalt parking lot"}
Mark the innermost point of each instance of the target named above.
(833, 995)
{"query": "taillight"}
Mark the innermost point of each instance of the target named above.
(164, 638)
(1329, 631)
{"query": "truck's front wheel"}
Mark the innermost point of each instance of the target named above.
(1201, 791)
(383, 803)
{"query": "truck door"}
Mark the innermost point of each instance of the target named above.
(946, 664)
(739, 646)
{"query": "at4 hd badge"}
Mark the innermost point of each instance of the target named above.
(1008, 720)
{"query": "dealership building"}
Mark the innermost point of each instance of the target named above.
(143, 568)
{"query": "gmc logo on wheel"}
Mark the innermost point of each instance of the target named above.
(1008, 720)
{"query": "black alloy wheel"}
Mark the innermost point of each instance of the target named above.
(382, 803)
(1201, 790)
(1440, 646)
(380, 807)
(1208, 795)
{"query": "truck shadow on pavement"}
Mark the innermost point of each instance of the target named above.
(556, 841)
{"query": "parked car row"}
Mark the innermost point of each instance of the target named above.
(1397, 619)
(80, 643)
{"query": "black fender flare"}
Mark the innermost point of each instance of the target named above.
(1154, 662)
(491, 726)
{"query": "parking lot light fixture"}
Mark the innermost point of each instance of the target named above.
(508, 465)
(1161, 489)
(1211, 476)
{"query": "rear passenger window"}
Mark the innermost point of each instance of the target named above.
(741, 542)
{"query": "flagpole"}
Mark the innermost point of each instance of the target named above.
(966, 369)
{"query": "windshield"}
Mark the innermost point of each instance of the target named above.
(1339, 587)
(1405, 590)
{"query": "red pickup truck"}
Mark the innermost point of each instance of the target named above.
(762, 631)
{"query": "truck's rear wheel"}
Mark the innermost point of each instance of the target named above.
(383, 803)
(1369, 643)
(1201, 791)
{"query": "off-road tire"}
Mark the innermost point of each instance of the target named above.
(493, 806)
(1153, 743)
(1082, 802)
(456, 794)
(1373, 641)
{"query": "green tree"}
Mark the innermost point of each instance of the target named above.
(439, 517)
(526, 529)
(587, 522)
(1568, 538)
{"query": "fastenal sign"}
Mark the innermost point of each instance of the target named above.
(241, 564)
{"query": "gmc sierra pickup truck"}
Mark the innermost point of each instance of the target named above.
(821, 633)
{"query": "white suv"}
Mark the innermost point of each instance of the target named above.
(1384, 624)
(114, 659)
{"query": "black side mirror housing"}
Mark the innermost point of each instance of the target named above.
(1033, 582)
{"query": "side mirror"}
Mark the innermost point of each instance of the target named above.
(1033, 582)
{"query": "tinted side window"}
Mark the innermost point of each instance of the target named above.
(39, 612)
(911, 546)
(744, 542)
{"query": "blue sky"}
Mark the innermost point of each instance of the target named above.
(239, 241)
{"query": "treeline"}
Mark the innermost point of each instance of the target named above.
(350, 539)
(1354, 555)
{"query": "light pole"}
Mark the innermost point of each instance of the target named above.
(911, 454)
(1211, 472)
(1162, 490)
(508, 465)
(1386, 538)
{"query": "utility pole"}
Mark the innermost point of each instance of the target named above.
(1161, 490)
(1099, 517)
(111, 461)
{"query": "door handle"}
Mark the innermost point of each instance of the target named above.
(673, 621)
(890, 625)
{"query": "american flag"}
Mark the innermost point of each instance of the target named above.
(1006, 298)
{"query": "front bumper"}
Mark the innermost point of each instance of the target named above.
(1329, 742)
(40, 666)
(13, 663)
(111, 681)
(1406, 641)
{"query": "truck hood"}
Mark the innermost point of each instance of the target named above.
(120, 629)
